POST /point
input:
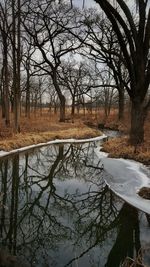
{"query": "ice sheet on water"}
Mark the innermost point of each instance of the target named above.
(125, 178)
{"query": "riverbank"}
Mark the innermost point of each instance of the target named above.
(116, 147)
(58, 131)
(39, 129)
(119, 147)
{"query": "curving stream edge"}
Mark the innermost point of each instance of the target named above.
(124, 177)
(56, 141)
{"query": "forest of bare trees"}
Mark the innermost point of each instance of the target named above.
(55, 54)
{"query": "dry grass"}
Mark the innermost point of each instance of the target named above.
(47, 127)
(119, 147)
(42, 129)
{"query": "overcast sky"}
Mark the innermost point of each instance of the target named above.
(88, 3)
(92, 3)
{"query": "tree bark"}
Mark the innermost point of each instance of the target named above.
(135, 55)
(138, 115)
(18, 95)
(16, 66)
(60, 95)
(5, 66)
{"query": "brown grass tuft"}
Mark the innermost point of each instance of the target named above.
(120, 147)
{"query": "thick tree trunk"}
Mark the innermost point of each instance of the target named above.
(60, 95)
(138, 115)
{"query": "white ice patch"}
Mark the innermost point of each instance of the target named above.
(57, 141)
(125, 178)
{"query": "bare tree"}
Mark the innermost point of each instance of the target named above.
(106, 91)
(4, 29)
(76, 79)
(28, 51)
(103, 48)
(135, 56)
(16, 59)
(46, 23)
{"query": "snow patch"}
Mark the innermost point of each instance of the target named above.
(57, 141)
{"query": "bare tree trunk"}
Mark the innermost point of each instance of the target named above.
(16, 66)
(61, 97)
(138, 115)
(18, 70)
(14, 57)
(5, 67)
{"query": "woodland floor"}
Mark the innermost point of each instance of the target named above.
(46, 127)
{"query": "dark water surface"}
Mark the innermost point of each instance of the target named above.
(56, 211)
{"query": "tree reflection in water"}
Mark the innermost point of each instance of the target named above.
(128, 238)
(61, 213)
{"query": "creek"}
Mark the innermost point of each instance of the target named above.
(57, 210)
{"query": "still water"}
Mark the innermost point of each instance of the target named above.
(57, 211)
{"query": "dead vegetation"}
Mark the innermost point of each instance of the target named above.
(144, 192)
(46, 127)
(138, 261)
(41, 129)
(120, 147)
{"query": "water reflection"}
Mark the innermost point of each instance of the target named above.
(128, 238)
(57, 211)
